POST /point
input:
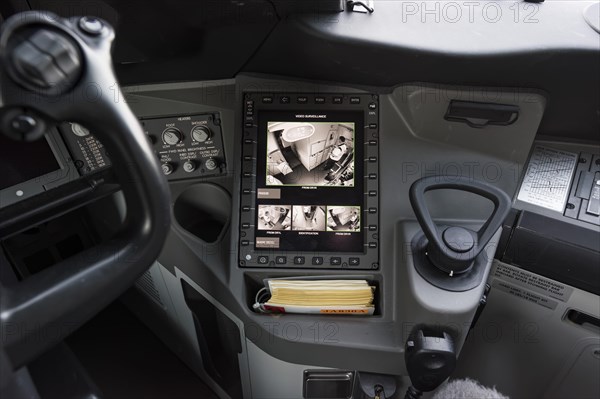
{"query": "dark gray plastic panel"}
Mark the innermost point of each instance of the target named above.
(415, 141)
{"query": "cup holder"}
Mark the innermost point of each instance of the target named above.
(204, 211)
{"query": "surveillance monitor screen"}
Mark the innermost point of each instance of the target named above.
(310, 181)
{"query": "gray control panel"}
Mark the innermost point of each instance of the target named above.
(188, 146)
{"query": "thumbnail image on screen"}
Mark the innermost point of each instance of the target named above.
(310, 154)
(308, 218)
(343, 218)
(274, 217)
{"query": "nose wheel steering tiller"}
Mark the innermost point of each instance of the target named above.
(54, 70)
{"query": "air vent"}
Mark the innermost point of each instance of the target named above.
(146, 284)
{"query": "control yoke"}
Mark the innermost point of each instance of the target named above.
(54, 70)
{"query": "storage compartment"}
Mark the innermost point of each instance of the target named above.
(255, 281)
(204, 211)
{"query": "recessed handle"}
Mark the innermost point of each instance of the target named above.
(478, 115)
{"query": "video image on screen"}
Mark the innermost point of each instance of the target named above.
(308, 218)
(343, 218)
(274, 217)
(310, 154)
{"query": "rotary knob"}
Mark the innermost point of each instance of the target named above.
(167, 168)
(211, 164)
(201, 133)
(189, 166)
(172, 136)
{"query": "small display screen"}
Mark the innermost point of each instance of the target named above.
(21, 162)
(309, 194)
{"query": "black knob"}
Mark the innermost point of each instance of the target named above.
(46, 60)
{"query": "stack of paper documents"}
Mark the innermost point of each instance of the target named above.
(320, 296)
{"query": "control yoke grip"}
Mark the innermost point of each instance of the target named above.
(56, 70)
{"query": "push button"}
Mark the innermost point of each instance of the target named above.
(245, 225)
(284, 99)
(267, 100)
(372, 245)
(372, 210)
(338, 100)
(354, 100)
(302, 100)
(299, 260)
(319, 100)
(281, 260)
(354, 261)
(372, 142)
(372, 176)
(317, 260)
(372, 125)
(263, 260)
(372, 227)
(372, 193)
(372, 106)
(245, 243)
(245, 208)
(335, 261)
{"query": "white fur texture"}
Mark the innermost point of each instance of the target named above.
(467, 389)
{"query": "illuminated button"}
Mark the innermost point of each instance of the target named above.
(317, 260)
(372, 142)
(372, 193)
(245, 225)
(372, 159)
(338, 100)
(281, 260)
(372, 176)
(335, 261)
(263, 260)
(372, 210)
(299, 260)
(372, 105)
(319, 100)
(372, 245)
(372, 227)
(354, 261)
(245, 243)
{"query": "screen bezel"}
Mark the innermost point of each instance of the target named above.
(257, 102)
(39, 184)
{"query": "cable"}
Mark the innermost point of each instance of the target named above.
(413, 393)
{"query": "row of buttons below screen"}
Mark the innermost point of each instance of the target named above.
(301, 260)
